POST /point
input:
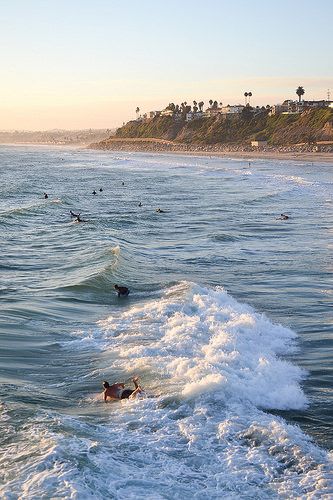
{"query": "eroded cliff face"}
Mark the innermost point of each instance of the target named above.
(327, 131)
(279, 130)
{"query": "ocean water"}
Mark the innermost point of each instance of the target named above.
(228, 324)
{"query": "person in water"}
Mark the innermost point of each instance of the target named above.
(118, 391)
(73, 214)
(46, 196)
(122, 290)
(160, 211)
(94, 192)
(283, 217)
(140, 204)
(100, 190)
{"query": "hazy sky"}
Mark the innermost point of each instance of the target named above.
(90, 63)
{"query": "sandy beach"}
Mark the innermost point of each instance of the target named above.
(303, 153)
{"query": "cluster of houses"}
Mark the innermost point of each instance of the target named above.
(194, 114)
(290, 107)
(186, 112)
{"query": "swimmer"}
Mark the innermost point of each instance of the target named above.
(46, 196)
(140, 204)
(160, 211)
(100, 190)
(122, 290)
(118, 391)
(94, 192)
(123, 183)
(78, 218)
(283, 217)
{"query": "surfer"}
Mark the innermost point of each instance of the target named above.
(122, 290)
(283, 217)
(46, 196)
(140, 204)
(118, 391)
(160, 211)
(73, 214)
(94, 192)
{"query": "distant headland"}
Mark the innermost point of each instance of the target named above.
(56, 137)
(293, 127)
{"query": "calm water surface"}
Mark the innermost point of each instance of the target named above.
(229, 325)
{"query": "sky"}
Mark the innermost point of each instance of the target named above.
(77, 64)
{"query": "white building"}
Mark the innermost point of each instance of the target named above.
(231, 110)
(258, 144)
(210, 112)
(194, 116)
(167, 112)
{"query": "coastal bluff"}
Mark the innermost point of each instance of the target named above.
(310, 131)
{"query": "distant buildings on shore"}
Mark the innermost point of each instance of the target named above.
(195, 112)
(290, 107)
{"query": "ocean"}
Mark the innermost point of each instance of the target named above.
(228, 324)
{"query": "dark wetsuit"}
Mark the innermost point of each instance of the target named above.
(122, 291)
(126, 393)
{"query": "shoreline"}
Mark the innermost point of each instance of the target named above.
(160, 146)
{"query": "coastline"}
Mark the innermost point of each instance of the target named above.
(303, 153)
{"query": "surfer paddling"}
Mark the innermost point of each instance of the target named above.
(118, 391)
(122, 291)
(283, 217)
(77, 217)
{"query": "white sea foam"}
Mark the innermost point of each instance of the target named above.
(205, 341)
(219, 364)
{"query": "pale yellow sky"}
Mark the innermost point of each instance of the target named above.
(108, 104)
(81, 64)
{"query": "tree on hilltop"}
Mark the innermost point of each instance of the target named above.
(210, 102)
(201, 105)
(171, 106)
(300, 91)
(137, 112)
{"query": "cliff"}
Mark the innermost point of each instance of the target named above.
(231, 130)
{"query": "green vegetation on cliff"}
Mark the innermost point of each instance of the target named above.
(280, 129)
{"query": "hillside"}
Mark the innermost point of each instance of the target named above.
(279, 130)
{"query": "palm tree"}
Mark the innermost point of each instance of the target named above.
(300, 91)
(137, 112)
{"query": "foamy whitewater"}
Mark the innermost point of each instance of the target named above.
(228, 325)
